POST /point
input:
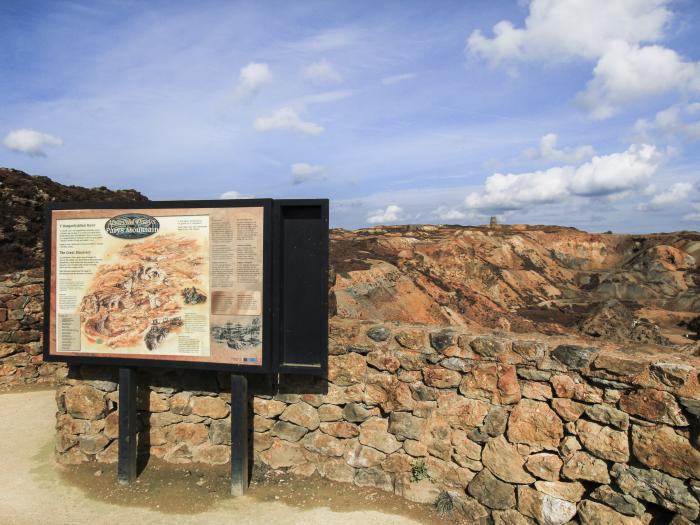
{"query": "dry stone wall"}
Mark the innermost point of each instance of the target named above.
(21, 326)
(499, 429)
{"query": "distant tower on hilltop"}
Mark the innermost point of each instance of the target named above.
(493, 223)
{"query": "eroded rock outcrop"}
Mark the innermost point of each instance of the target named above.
(519, 278)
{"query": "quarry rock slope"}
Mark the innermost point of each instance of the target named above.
(520, 278)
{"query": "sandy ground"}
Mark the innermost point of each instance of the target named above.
(34, 490)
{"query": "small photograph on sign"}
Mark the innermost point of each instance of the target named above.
(238, 333)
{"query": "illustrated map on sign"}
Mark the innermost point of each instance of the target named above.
(140, 299)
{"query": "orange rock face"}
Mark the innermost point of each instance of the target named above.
(522, 279)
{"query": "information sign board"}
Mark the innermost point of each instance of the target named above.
(167, 282)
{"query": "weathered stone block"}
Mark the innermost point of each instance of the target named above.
(423, 491)
(603, 442)
(623, 503)
(348, 369)
(574, 357)
(337, 470)
(301, 414)
(361, 456)
(583, 466)
(675, 375)
(441, 377)
(545, 509)
(356, 412)
(592, 513)
(544, 466)
(220, 432)
(620, 365)
(323, 444)
(535, 424)
(571, 491)
(568, 409)
(609, 416)
(442, 339)
(288, 431)
(509, 517)
(503, 460)
(379, 333)
(405, 425)
(374, 433)
(190, 433)
(661, 448)
(491, 491)
(536, 390)
(92, 444)
(653, 405)
(383, 361)
(283, 454)
(340, 429)
(488, 347)
(330, 413)
(563, 385)
(461, 412)
(85, 402)
(413, 339)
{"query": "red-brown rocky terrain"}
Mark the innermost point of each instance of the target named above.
(521, 278)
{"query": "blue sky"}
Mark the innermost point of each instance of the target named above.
(572, 112)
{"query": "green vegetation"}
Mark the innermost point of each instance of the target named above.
(419, 471)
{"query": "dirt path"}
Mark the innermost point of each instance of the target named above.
(35, 491)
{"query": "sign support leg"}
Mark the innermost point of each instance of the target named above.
(239, 435)
(126, 467)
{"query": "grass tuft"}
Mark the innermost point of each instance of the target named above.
(444, 503)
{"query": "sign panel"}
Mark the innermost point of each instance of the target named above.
(160, 283)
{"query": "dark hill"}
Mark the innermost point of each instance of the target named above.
(22, 200)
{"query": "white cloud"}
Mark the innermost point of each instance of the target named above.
(695, 216)
(617, 172)
(608, 32)
(675, 193)
(303, 172)
(327, 40)
(672, 121)
(287, 118)
(234, 195)
(548, 151)
(30, 142)
(395, 79)
(322, 72)
(625, 73)
(606, 175)
(449, 214)
(327, 96)
(391, 213)
(252, 79)
(562, 29)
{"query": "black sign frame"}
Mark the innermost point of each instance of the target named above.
(269, 362)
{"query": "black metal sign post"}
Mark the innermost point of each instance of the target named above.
(239, 435)
(126, 467)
